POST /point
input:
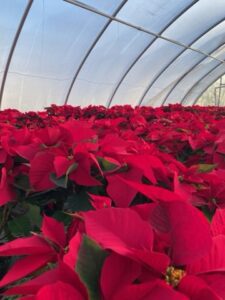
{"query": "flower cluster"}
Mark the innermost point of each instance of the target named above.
(120, 203)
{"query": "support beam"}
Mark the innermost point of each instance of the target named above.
(13, 47)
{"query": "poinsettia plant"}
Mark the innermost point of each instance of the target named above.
(115, 203)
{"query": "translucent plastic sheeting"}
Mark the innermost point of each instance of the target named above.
(67, 52)
(198, 72)
(168, 80)
(48, 52)
(192, 77)
(144, 71)
(142, 83)
(201, 86)
(213, 38)
(209, 42)
(102, 5)
(119, 47)
(157, 93)
(10, 16)
(154, 14)
(112, 55)
(196, 20)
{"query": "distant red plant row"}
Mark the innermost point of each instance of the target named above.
(119, 203)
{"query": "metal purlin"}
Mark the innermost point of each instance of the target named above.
(189, 71)
(202, 78)
(12, 49)
(186, 93)
(91, 48)
(139, 28)
(175, 58)
(145, 49)
(186, 73)
(92, 9)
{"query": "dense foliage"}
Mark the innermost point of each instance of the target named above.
(120, 203)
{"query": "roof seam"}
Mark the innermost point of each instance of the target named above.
(175, 58)
(188, 72)
(205, 75)
(91, 48)
(139, 28)
(146, 48)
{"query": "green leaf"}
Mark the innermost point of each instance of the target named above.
(20, 226)
(78, 202)
(208, 214)
(107, 165)
(59, 181)
(22, 182)
(63, 180)
(34, 215)
(71, 168)
(25, 221)
(62, 217)
(204, 168)
(89, 264)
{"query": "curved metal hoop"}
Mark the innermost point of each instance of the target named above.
(90, 49)
(13, 47)
(174, 59)
(208, 85)
(144, 50)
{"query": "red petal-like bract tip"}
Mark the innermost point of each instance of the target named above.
(214, 261)
(216, 282)
(195, 288)
(157, 290)
(218, 222)
(154, 193)
(99, 202)
(59, 291)
(6, 191)
(54, 231)
(121, 193)
(40, 169)
(25, 246)
(188, 230)
(61, 165)
(117, 272)
(115, 229)
(70, 258)
(24, 267)
(61, 273)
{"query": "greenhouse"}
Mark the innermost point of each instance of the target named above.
(112, 149)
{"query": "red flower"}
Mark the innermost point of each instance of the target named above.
(37, 249)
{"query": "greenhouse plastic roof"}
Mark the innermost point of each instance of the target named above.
(109, 52)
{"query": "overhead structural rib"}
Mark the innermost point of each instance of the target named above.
(139, 28)
(197, 82)
(189, 71)
(145, 49)
(12, 49)
(176, 57)
(91, 48)
(198, 95)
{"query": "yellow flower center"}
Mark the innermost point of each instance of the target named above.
(174, 276)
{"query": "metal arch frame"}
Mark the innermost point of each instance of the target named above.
(208, 84)
(91, 48)
(139, 28)
(174, 59)
(145, 49)
(197, 82)
(13, 47)
(188, 72)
